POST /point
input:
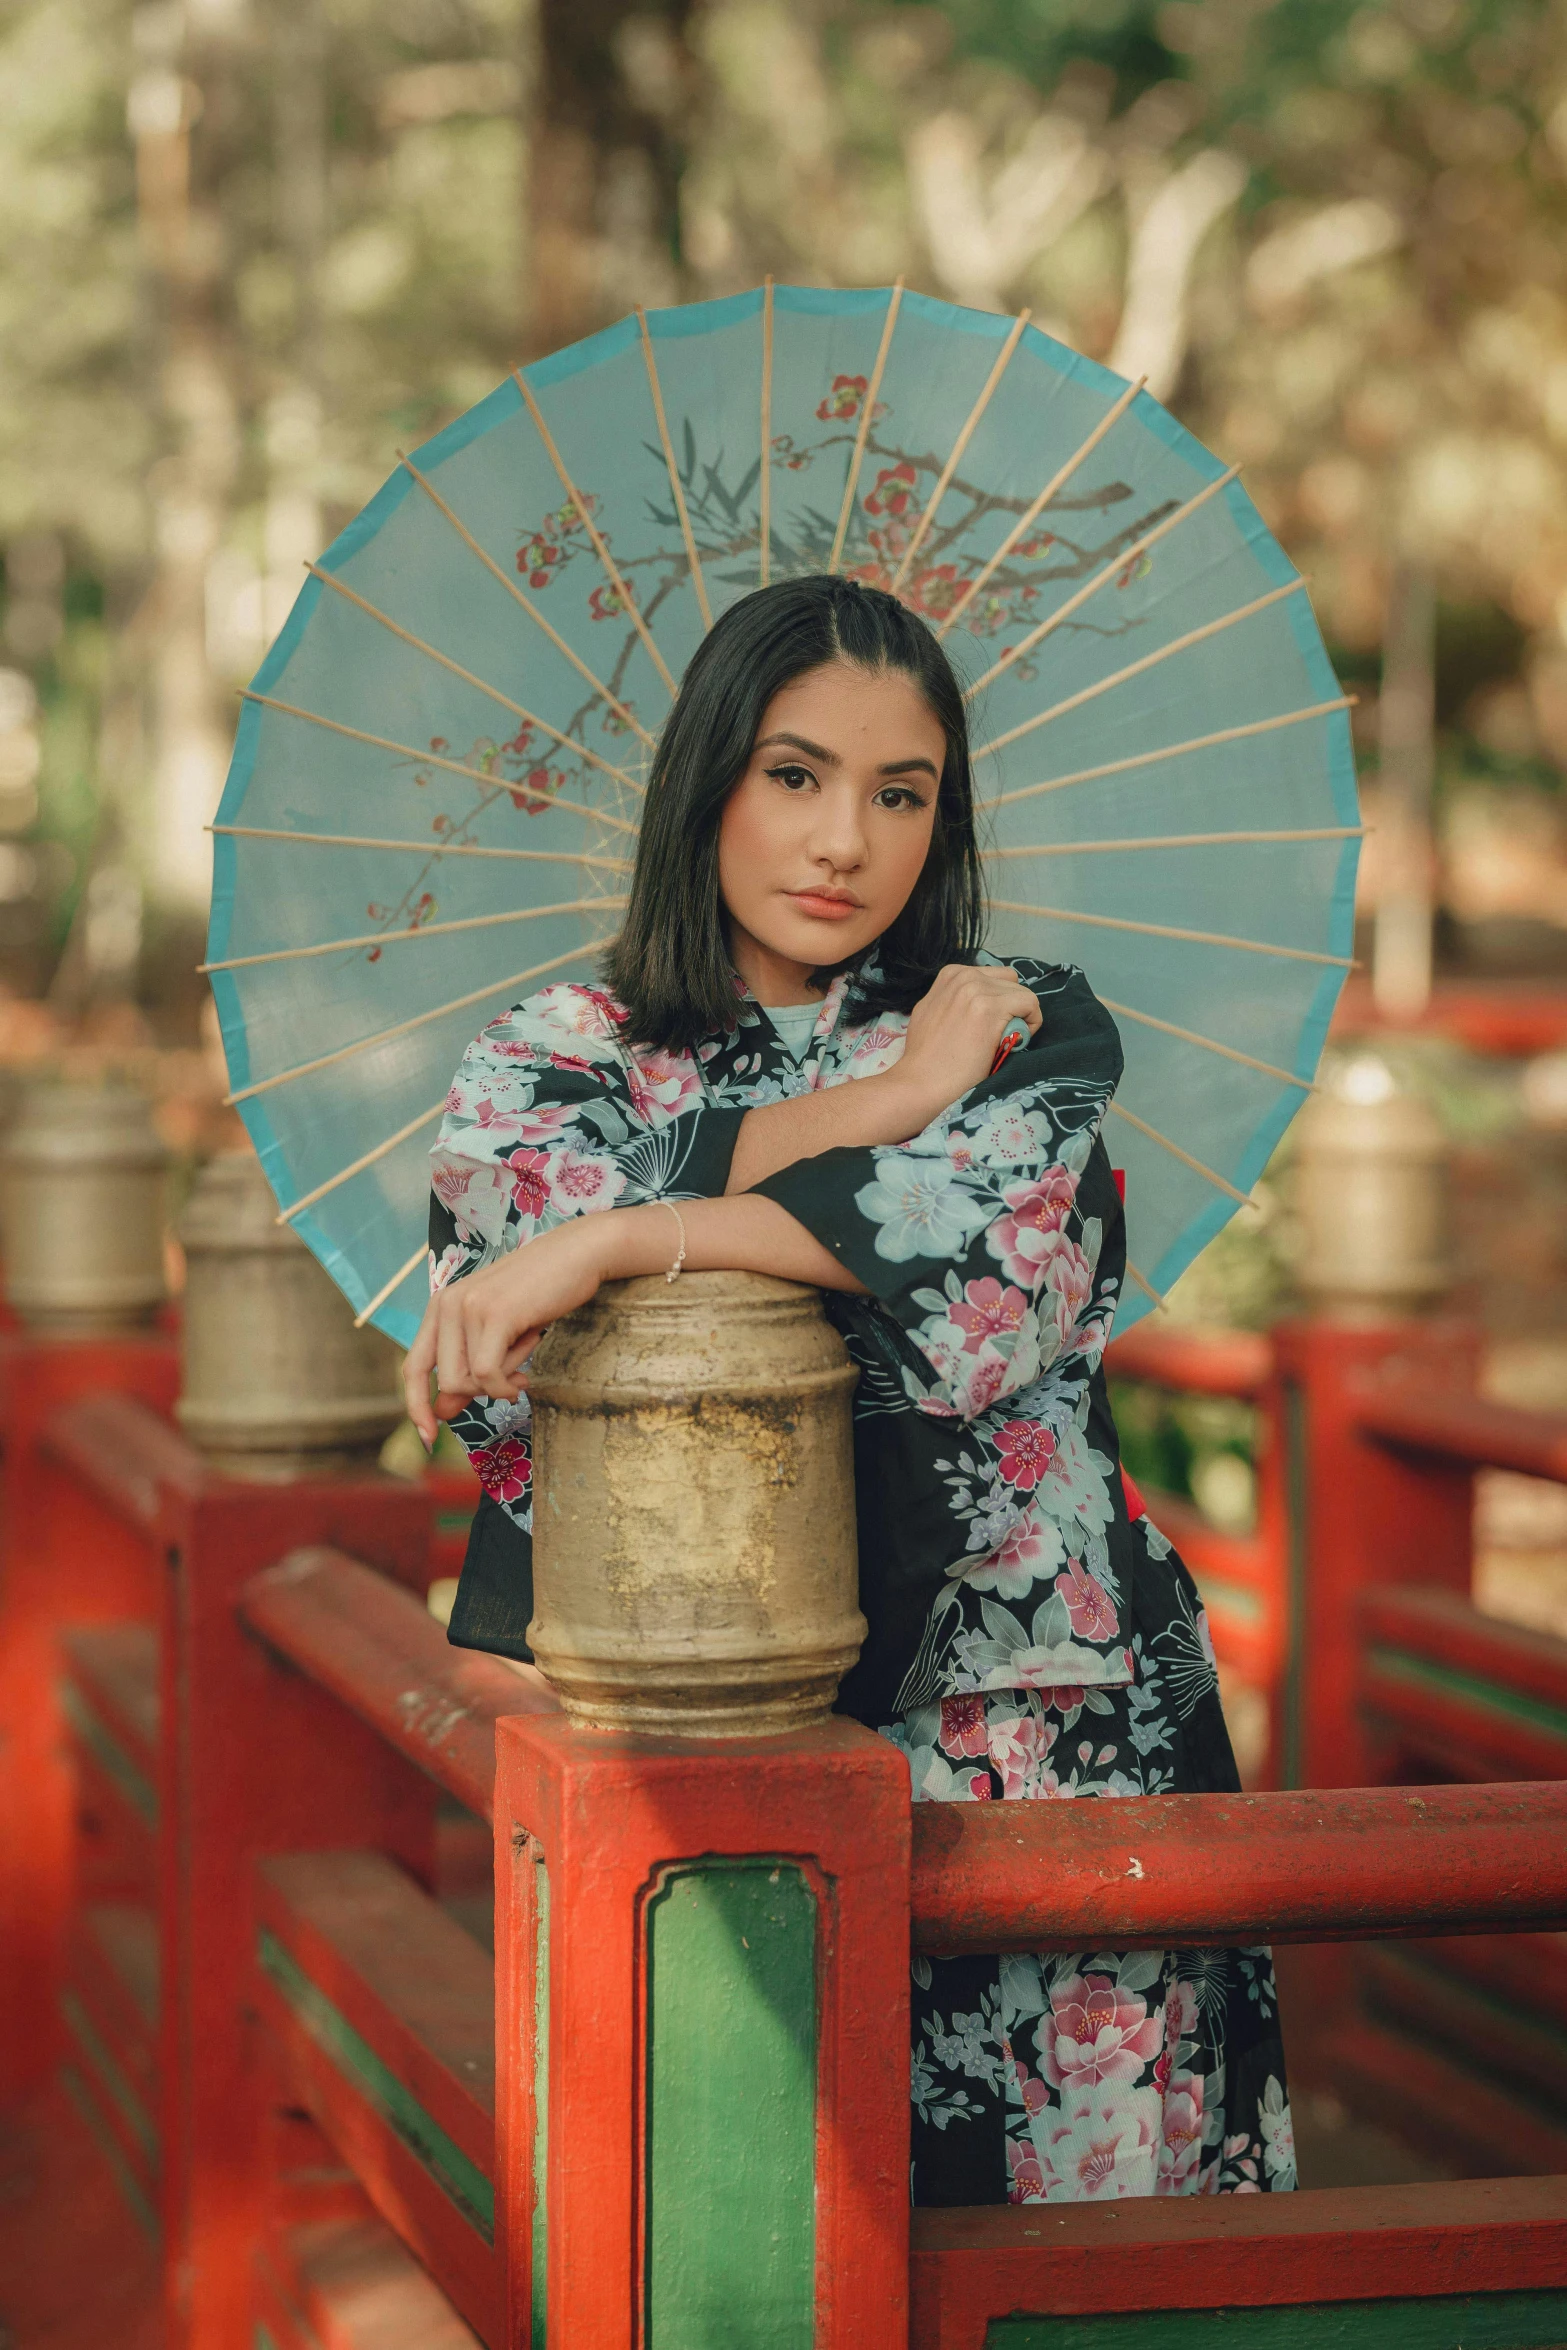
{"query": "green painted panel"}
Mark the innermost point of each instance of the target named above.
(110, 2075)
(264, 2340)
(108, 2146)
(1472, 2321)
(1514, 1704)
(357, 2061)
(541, 2098)
(732, 2109)
(137, 1790)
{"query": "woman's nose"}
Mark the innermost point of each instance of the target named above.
(838, 834)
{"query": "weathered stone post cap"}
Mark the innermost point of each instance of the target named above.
(1371, 1195)
(694, 1558)
(83, 1179)
(276, 1381)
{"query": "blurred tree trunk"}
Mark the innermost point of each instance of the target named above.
(616, 92)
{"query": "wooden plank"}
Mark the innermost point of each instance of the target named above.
(382, 1654)
(1465, 2321)
(1458, 1724)
(350, 2285)
(971, 2268)
(1172, 1871)
(124, 1454)
(407, 1978)
(112, 1967)
(1443, 1628)
(1235, 1363)
(116, 1667)
(1415, 1416)
(383, 2008)
(1515, 2044)
(1404, 2084)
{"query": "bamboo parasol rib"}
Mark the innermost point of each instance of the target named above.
(595, 535)
(366, 1159)
(1143, 1283)
(1194, 636)
(419, 848)
(1075, 603)
(675, 484)
(381, 742)
(527, 603)
(1025, 522)
(867, 413)
(1202, 938)
(387, 1287)
(944, 480)
(1200, 742)
(398, 938)
(1209, 1044)
(765, 478)
(1179, 840)
(362, 1044)
(518, 709)
(1176, 1152)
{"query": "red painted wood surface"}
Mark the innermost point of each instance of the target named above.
(1462, 1426)
(1451, 1726)
(1233, 2251)
(381, 1653)
(59, 1564)
(77, 2269)
(1504, 1017)
(1235, 1363)
(607, 1810)
(348, 2284)
(1170, 1871)
(1447, 2111)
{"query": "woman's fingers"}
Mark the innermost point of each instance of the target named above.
(418, 1363)
(451, 1344)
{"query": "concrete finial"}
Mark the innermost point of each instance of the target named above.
(84, 1179)
(1371, 1196)
(276, 1381)
(693, 1526)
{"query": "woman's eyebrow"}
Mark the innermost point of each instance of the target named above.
(797, 742)
(906, 766)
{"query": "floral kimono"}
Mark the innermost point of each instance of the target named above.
(1031, 1637)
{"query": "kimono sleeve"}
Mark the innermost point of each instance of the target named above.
(549, 1117)
(973, 1236)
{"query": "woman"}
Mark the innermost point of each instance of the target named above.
(795, 1045)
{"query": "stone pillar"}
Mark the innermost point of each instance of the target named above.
(83, 1178)
(277, 1382)
(1371, 1196)
(693, 1530)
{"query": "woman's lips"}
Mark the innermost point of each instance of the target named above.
(824, 908)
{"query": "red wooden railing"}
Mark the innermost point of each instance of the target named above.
(325, 2088)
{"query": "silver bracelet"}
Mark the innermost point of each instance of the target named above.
(678, 1267)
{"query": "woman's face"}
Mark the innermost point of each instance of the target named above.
(825, 834)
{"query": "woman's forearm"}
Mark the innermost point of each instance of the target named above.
(734, 1235)
(887, 1109)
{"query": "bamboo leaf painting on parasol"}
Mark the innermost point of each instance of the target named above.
(433, 801)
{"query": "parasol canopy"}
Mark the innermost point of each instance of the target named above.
(438, 771)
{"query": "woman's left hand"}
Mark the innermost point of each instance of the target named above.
(478, 1333)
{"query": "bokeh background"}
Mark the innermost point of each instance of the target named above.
(249, 248)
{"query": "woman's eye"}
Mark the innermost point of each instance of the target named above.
(792, 778)
(898, 796)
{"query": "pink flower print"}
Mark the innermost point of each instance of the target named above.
(1026, 1450)
(536, 559)
(983, 1385)
(989, 1311)
(1061, 1695)
(1069, 1283)
(934, 592)
(575, 1062)
(1181, 2150)
(606, 602)
(661, 1083)
(543, 1123)
(1030, 2088)
(1015, 1565)
(893, 494)
(512, 1048)
(1019, 1747)
(530, 1182)
(503, 1468)
(450, 1185)
(454, 1100)
(1087, 1603)
(963, 1726)
(582, 1183)
(1105, 2145)
(1095, 2033)
(1027, 1236)
(486, 1115)
(874, 575)
(1027, 2184)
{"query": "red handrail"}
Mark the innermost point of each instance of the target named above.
(1236, 1363)
(1462, 1426)
(1174, 1871)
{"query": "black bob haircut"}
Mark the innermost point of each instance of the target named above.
(670, 965)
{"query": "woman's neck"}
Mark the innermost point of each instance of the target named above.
(773, 979)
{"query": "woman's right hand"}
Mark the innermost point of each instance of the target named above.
(954, 1030)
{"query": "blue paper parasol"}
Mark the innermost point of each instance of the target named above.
(438, 771)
